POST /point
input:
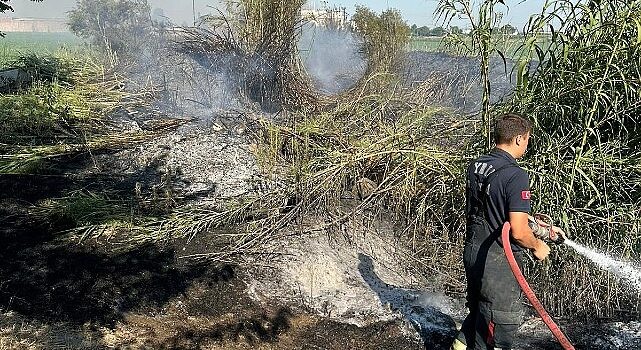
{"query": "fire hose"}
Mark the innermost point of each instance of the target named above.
(529, 293)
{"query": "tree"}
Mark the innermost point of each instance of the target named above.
(414, 29)
(456, 30)
(438, 31)
(4, 7)
(384, 37)
(423, 31)
(119, 26)
(508, 29)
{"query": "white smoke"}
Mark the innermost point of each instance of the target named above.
(331, 58)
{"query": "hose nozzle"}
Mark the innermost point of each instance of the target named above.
(541, 225)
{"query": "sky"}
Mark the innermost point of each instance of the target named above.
(419, 12)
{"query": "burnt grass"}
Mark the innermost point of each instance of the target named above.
(50, 281)
(164, 301)
(147, 290)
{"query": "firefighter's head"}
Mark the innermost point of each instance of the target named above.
(512, 132)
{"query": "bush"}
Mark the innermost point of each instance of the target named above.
(385, 36)
(119, 26)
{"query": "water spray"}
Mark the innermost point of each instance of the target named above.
(625, 271)
(541, 225)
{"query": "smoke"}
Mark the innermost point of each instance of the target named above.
(454, 81)
(186, 85)
(331, 58)
(436, 300)
(192, 76)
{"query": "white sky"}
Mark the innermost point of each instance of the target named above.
(418, 12)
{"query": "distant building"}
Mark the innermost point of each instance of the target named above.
(38, 25)
(327, 17)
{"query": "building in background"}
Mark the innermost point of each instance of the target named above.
(325, 16)
(34, 25)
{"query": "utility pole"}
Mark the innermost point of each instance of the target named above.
(193, 10)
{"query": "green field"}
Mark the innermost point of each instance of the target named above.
(20, 43)
(438, 44)
(509, 46)
(429, 44)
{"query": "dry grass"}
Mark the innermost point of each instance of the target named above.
(255, 44)
(65, 112)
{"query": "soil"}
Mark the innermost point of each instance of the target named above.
(101, 295)
(320, 293)
(95, 295)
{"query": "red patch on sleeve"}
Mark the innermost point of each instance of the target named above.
(525, 195)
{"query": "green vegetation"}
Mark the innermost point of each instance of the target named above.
(428, 44)
(482, 41)
(16, 44)
(585, 161)
(509, 46)
(384, 37)
(118, 27)
(61, 111)
(376, 150)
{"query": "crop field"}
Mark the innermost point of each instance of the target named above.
(427, 44)
(508, 46)
(21, 43)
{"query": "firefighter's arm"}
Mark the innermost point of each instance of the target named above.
(523, 236)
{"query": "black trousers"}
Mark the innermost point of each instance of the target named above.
(493, 295)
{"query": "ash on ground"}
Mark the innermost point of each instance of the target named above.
(360, 278)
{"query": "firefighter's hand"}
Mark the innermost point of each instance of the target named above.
(560, 234)
(541, 251)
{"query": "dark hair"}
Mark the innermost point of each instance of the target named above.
(510, 125)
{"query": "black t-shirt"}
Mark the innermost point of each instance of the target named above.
(509, 189)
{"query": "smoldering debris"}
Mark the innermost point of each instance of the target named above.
(363, 280)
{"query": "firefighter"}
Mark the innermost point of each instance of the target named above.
(497, 191)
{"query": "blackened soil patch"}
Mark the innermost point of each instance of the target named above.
(82, 284)
(380, 335)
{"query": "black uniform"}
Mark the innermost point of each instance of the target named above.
(493, 294)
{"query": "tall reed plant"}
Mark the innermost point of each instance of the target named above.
(583, 90)
(482, 41)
